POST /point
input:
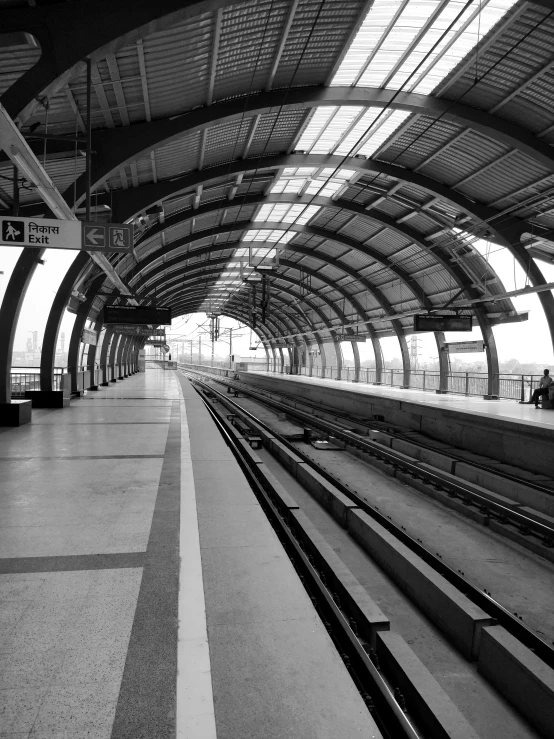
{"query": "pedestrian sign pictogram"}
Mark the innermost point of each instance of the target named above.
(119, 236)
(14, 231)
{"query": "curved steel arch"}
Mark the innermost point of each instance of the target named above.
(100, 26)
(461, 278)
(192, 306)
(245, 318)
(456, 271)
(296, 248)
(349, 243)
(359, 309)
(385, 305)
(214, 263)
(486, 329)
(311, 328)
(117, 147)
(214, 268)
(508, 232)
(131, 202)
(69, 33)
(192, 298)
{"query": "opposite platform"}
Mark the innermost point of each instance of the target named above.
(140, 584)
(515, 434)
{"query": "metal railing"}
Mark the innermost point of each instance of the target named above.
(514, 387)
(24, 379)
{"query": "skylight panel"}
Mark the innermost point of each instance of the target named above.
(311, 183)
(269, 235)
(459, 42)
(283, 212)
(323, 139)
(317, 125)
(396, 36)
(385, 127)
(264, 253)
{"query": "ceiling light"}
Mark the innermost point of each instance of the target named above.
(23, 165)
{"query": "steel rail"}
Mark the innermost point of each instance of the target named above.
(358, 662)
(504, 617)
(541, 531)
(402, 437)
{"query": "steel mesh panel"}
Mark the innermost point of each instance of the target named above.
(247, 46)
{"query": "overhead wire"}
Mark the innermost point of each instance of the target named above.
(381, 113)
(544, 196)
(277, 115)
(455, 242)
(240, 123)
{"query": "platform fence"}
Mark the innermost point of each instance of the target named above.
(24, 379)
(512, 387)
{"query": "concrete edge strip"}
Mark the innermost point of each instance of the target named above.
(195, 704)
(146, 703)
(71, 563)
(109, 423)
(88, 456)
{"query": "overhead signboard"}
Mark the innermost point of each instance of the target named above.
(279, 343)
(438, 322)
(464, 347)
(107, 237)
(41, 233)
(351, 337)
(88, 337)
(53, 233)
(127, 314)
(139, 330)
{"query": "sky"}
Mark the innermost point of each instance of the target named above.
(527, 341)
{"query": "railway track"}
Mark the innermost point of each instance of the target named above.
(459, 489)
(385, 702)
(363, 669)
(393, 431)
(512, 624)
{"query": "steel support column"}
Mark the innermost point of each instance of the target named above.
(9, 314)
(51, 332)
(108, 336)
(75, 342)
(117, 338)
(443, 363)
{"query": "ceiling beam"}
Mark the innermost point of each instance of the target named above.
(70, 32)
(121, 145)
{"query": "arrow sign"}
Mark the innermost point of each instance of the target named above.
(108, 237)
(93, 236)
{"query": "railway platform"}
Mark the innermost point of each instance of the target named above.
(143, 592)
(510, 432)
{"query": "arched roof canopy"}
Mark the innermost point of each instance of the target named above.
(204, 155)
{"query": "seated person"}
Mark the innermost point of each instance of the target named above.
(542, 390)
